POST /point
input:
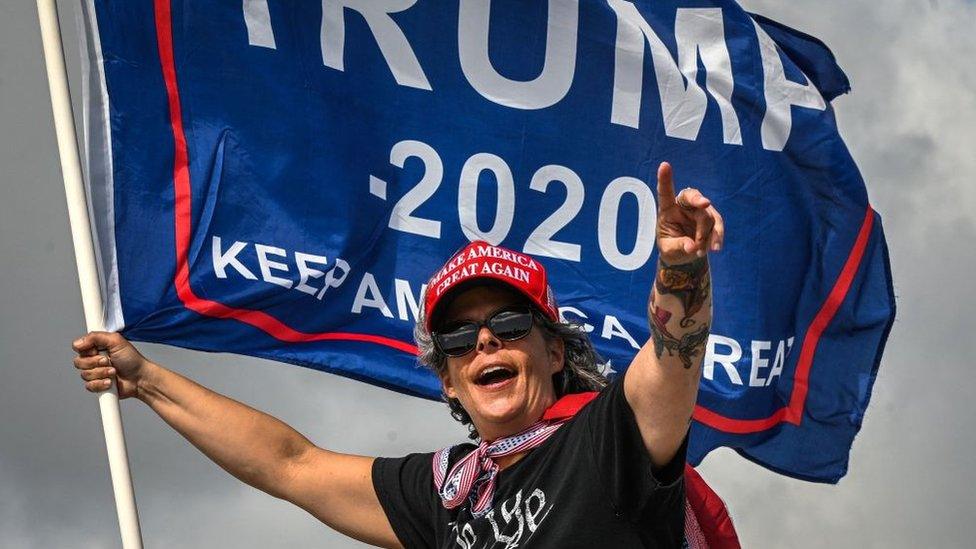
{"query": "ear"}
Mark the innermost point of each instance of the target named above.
(557, 353)
(447, 385)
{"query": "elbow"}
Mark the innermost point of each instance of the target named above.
(283, 474)
(302, 466)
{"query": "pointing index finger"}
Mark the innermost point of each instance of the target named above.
(665, 186)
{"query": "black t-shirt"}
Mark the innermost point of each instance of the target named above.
(589, 485)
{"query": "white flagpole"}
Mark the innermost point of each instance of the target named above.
(91, 296)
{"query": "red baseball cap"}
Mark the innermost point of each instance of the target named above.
(481, 261)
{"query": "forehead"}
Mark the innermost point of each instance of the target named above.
(479, 301)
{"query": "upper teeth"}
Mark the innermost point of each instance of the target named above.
(491, 369)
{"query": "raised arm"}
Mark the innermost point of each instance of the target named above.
(661, 384)
(253, 446)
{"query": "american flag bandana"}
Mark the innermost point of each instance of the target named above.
(473, 477)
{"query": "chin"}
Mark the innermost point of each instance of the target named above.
(502, 410)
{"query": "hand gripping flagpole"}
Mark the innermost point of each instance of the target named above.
(91, 296)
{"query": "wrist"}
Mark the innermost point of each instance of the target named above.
(147, 383)
(682, 276)
(674, 260)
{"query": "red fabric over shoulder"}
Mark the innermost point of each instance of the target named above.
(713, 517)
(568, 405)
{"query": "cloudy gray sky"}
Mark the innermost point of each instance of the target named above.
(911, 125)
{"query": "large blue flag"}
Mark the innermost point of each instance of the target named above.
(279, 178)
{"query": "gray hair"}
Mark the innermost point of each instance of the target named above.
(580, 373)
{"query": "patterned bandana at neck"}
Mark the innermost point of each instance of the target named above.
(473, 477)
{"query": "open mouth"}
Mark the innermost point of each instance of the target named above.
(494, 374)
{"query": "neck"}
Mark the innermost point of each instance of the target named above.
(491, 433)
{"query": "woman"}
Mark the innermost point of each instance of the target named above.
(555, 466)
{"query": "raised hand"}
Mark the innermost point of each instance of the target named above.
(688, 226)
(662, 382)
(120, 360)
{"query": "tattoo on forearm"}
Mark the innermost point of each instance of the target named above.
(687, 346)
(689, 282)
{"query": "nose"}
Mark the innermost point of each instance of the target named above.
(487, 340)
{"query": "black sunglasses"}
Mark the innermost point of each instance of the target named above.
(460, 338)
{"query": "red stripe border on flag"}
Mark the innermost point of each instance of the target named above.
(791, 413)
